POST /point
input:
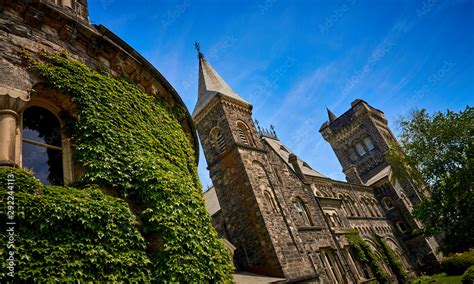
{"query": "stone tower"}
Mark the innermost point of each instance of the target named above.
(227, 134)
(255, 192)
(360, 139)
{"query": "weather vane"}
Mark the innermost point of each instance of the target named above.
(198, 49)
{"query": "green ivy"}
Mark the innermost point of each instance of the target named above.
(392, 259)
(63, 234)
(130, 142)
(364, 254)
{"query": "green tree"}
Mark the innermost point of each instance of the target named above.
(438, 156)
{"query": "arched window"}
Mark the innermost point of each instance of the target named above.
(244, 133)
(302, 212)
(387, 203)
(343, 204)
(401, 227)
(42, 145)
(333, 219)
(351, 206)
(356, 209)
(218, 140)
(368, 207)
(270, 201)
(376, 207)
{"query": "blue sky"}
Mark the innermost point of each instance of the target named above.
(291, 59)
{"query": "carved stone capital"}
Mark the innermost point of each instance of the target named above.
(13, 99)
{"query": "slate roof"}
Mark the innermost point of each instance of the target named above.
(210, 85)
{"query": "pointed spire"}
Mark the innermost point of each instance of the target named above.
(331, 115)
(211, 84)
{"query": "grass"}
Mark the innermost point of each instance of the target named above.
(441, 278)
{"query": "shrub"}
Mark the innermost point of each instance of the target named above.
(468, 276)
(458, 263)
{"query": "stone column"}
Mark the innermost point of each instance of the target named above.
(12, 103)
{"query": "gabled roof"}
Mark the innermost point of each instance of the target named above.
(212, 203)
(285, 153)
(210, 85)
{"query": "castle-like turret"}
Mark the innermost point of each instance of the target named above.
(360, 137)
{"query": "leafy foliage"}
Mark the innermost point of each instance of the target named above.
(437, 278)
(468, 276)
(458, 263)
(439, 149)
(130, 142)
(364, 254)
(391, 259)
(63, 234)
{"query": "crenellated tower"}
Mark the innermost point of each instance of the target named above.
(360, 139)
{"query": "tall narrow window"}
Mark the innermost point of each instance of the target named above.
(243, 132)
(270, 201)
(330, 219)
(42, 147)
(351, 206)
(368, 143)
(217, 140)
(376, 207)
(333, 266)
(220, 142)
(303, 212)
(368, 207)
(352, 155)
(360, 149)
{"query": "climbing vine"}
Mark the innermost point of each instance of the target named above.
(391, 259)
(364, 254)
(130, 142)
(63, 234)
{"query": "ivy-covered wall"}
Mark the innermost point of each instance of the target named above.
(364, 254)
(131, 143)
(63, 234)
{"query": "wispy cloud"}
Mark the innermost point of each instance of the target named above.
(304, 92)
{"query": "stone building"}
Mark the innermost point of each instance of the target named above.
(34, 27)
(286, 219)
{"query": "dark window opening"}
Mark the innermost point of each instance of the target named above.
(42, 147)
